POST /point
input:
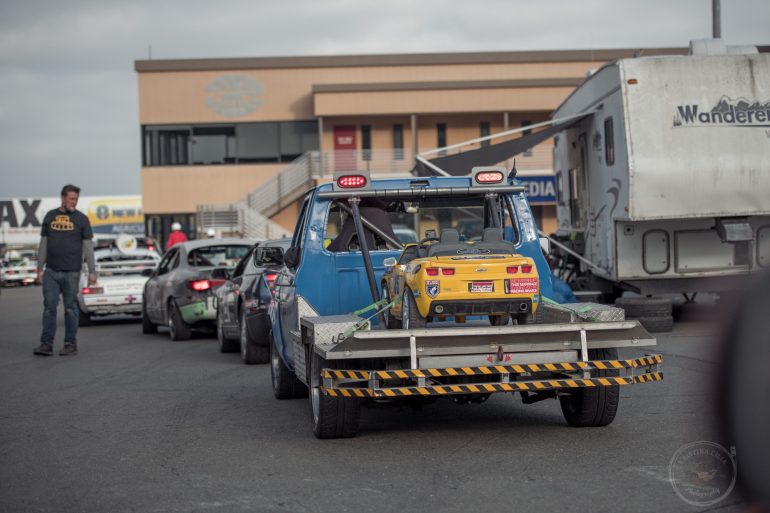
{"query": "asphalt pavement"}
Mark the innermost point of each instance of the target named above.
(140, 423)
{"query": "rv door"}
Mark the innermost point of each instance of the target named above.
(578, 185)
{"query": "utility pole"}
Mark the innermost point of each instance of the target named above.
(716, 19)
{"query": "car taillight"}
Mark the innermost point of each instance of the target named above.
(150, 247)
(512, 269)
(92, 290)
(351, 181)
(526, 268)
(199, 285)
(431, 271)
(270, 277)
(447, 271)
(489, 177)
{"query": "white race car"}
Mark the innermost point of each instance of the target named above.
(120, 282)
(19, 269)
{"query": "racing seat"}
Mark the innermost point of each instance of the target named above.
(492, 240)
(449, 244)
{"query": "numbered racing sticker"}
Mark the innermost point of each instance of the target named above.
(432, 288)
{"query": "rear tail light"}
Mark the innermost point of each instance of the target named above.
(92, 290)
(431, 271)
(526, 268)
(270, 277)
(512, 269)
(447, 271)
(489, 177)
(351, 181)
(199, 285)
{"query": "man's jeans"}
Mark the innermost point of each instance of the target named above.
(62, 283)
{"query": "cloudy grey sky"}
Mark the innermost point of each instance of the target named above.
(68, 93)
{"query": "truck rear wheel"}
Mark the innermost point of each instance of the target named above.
(498, 320)
(285, 384)
(594, 406)
(410, 316)
(333, 417)
(251, 352)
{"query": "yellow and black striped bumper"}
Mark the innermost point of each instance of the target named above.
(493, 378)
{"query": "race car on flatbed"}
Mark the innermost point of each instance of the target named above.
(328, 313)
(450, 278)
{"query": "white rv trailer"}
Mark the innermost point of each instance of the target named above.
(666, 187)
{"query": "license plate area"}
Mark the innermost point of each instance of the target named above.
(481, 286)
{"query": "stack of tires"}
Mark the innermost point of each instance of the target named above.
(655, 314)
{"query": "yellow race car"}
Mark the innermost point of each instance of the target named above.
(443, 277)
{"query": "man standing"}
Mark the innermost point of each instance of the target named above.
(65, 239)
(176, 236)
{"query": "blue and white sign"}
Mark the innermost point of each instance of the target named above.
(540, 189)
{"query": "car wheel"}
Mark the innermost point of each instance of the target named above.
(390, 322)
(226, 345)
(593, 406)
(148, 327)
(523, 318)
(251, 352)
(177, 328)
(410, 316)
(285, 384)
(333, 417)
(84, 318)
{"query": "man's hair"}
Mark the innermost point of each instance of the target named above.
(70, 188)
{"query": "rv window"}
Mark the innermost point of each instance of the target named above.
(609, 142)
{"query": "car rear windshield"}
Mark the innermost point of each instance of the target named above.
(217, 256)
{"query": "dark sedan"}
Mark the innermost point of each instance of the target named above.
(242, 312)
(180, 291)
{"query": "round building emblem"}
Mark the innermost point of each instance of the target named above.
(234, 96)
(702, 473)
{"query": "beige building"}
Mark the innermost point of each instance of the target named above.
(258, 131)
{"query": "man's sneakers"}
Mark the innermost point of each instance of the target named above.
(44, 350)
(47, 350)
(68, 350)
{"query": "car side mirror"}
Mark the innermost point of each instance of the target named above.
(545, 245)
(147, 272)
(389, 262)
(291, 257)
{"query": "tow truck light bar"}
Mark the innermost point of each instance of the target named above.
(351, 181)
(490, 177)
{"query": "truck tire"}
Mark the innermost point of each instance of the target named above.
(177, 328)
(410, 316)
(252, 353)
(594, 406)
(390, 322)
(148, 327)
(498, 320)
(657, 324)
(84, 318)
(285, 384)
(636, 307)
(333, 417)
(226, 345)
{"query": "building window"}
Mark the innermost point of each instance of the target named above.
(213, 145)
(526, 122)
(484, 130)
(242, 143)
(398, 142)
(441, 138)
(366, 142)
(609, 142)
